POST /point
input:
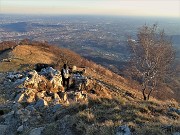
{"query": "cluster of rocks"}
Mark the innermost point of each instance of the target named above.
(44, 87)
(37, 88)
(35, 94)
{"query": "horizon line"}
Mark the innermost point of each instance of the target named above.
(108, 15)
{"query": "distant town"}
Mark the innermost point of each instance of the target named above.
(102, 39)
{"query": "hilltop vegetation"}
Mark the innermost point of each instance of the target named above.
(112, 105)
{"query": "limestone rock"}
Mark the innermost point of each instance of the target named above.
(41, 103)
(123, 130)
(56, 107)
(20, 97)
(17, 106)
(8, 117)
(40, 95)
(56, 81)
(20, 81)
(28, 96)
(80, 81)
(23, 114)
(20, 129)
(34, 80)
(36, 131)
(49, 71)
(13, 76)
(31, 108)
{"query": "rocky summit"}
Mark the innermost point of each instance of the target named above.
(34, 92)
(34, 102)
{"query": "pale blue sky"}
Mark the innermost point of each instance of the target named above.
(169, 8)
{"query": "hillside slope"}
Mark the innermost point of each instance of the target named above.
(108, 105)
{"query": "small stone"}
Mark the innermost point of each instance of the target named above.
(178, 111)
(36, 131)
(20, 97)
(20, 129)
(16, 106)
(123, 130)
(31, 108)
(41, 103)
(8, 117)
(56, 107)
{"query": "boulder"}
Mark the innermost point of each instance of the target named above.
(8, 117)
(27, 97)
(123, 130)
(23, 114)
(36, 131)
(49, 72)
(20, 81)
(41, 103)
(34, 80)
(80, 81)
(20, 97)
(56, 107)
(56, 81)
(17, 106)
(20, 129)
(31, 108)
(13, 76)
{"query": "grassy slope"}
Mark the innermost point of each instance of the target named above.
(103, 111)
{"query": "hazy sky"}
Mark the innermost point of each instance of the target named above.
(169, 8)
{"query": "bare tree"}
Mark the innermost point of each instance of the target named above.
(151, 58)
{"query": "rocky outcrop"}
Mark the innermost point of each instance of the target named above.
(36, 96)
(80, 81)
(34, 87)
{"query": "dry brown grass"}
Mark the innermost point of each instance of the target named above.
(108, 108)
(32, 54)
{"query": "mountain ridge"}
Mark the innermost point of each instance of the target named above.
(112, 105)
